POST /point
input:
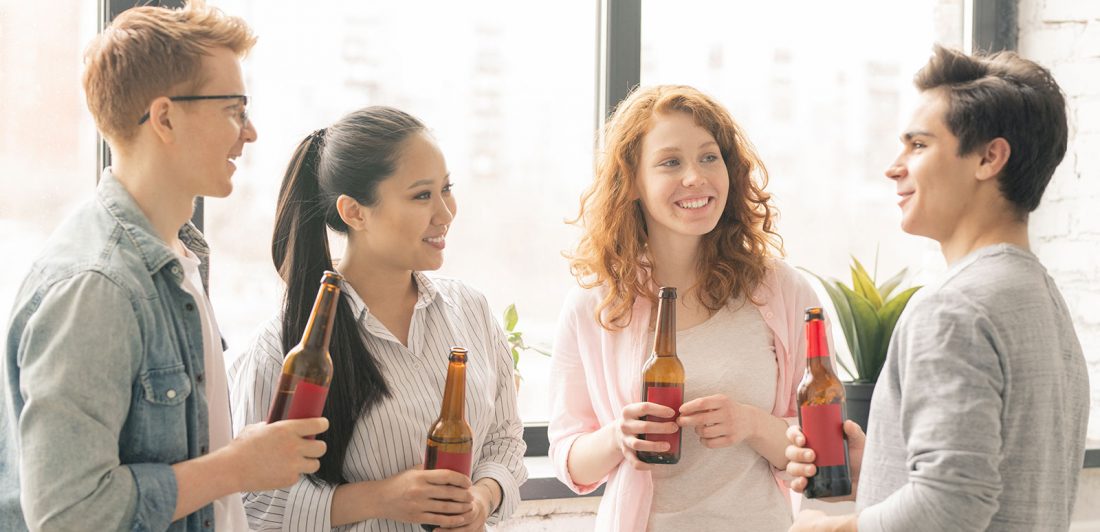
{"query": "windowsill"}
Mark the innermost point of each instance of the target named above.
(542, 484)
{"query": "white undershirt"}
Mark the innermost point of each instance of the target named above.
(228, 510)
(729, 488)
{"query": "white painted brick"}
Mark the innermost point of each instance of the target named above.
(1051, 43)
(1089, 42)
(1074, 261)
(1086, 115)
(1081, 300)
(1086, 164)
(1080, 77)
(1052, 220)
(1068, 10)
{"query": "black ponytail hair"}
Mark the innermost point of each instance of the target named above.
(350, 158)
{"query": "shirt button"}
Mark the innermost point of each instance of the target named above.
(189, 307)
(769, 315)
(206, 524)
(171, 394)
(200, 377)
(202, 450)
(175, 270)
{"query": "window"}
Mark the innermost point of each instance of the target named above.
(507, 88)
(47, 137)
(822, 95)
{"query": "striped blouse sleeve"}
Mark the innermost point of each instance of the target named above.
(501, 457)
(254, 376)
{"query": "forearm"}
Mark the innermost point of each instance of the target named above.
(769, 437)
(593, 456)
(202, 480)
(358, 501)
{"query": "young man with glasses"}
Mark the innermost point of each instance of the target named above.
(116, 411)
(979, 416)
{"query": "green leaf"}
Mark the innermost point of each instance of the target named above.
(840, 304)
(864, 286)
(867, 332)
(845, 366)
(886, 288)
(511, 317)
(515, 358)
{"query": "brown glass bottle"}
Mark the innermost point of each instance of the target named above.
(821, 413)
(450, 440)
(663, 379)
(307, 369)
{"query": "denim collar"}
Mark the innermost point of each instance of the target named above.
(154, 251)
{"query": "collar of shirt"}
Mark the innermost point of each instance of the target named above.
(153, 250)
(426, 294)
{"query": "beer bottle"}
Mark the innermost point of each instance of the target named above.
(450, 440)
(307, 369)
(821, 413)
(663, 379)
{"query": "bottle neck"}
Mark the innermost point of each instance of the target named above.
(318, 331)
(817, 348)
(454, 394)
(664, 341)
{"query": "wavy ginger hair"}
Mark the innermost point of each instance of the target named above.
(612, 251)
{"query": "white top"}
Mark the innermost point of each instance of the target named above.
(228, 510)
(730, 488)
(391, 437)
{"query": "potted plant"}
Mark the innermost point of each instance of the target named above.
(515, 341)
(867, 314)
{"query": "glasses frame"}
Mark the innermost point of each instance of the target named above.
(195, 98)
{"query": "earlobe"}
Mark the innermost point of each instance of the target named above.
(994, 158)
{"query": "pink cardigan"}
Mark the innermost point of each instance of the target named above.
(595, 373)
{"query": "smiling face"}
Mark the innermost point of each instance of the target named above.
(212, 133)
(406, 228)
(937, 187)
(682, 181)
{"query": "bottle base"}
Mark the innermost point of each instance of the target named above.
(818, 488)
(659, 459)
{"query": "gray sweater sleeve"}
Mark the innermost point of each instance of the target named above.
(951, 383)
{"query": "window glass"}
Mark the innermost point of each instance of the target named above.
(508, 89)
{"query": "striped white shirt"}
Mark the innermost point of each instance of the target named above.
(391, 438)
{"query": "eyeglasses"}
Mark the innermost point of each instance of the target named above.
(242, 97)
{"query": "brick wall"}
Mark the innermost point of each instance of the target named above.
(1064, 35)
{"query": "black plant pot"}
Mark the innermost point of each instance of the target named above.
(858, 395)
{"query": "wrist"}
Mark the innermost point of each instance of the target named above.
(844, 523)
(484, 495)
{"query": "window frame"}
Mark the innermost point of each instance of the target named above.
(990, 26)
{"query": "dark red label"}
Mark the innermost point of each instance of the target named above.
(823, 426)
(308, 401)
(457, 462)
(672, 397)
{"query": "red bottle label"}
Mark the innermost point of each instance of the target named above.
(672, 397)
(308, 401)
(457, 462)
(823, 426)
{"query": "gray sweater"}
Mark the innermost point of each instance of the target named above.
(978, 420)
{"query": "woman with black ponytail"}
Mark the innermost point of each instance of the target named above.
(378, 178)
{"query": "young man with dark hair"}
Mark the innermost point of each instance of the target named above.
(115, 404)
(979, 416)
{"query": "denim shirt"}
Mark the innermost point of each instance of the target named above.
(103, 375)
